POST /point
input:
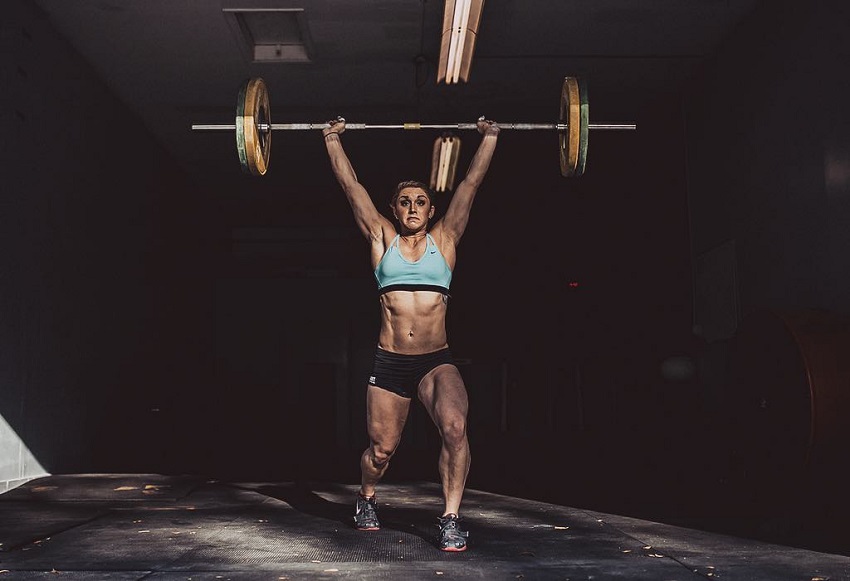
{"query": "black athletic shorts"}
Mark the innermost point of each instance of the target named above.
(401, 374)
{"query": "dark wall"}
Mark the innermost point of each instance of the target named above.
(769, 194)
(102, 270)
(769, 153)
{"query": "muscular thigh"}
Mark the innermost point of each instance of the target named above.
(386, 414)
(443, 393)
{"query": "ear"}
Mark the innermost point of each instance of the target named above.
(431, 212)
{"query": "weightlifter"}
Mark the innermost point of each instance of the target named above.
(413, 266)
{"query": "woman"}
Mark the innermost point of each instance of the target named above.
(413, 266)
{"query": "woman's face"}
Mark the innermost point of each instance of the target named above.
(413, 208)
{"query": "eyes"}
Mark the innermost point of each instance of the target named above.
(405, 202)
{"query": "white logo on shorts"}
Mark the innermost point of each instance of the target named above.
(372, 379)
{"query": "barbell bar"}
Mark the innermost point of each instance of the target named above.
(264, 127)
(254, 128)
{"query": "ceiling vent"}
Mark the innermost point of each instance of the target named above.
(269, 35)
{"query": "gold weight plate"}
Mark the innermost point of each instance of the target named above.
(574, 112)
(252, 109)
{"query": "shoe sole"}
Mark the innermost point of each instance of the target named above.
(454, 549)
(368, 528)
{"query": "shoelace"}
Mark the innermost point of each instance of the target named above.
(366, 507)
(450, 528)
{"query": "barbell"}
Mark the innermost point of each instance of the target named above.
(254, 127)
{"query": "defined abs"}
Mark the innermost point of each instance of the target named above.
(413, 322)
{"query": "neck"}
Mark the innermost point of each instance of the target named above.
(413, 236)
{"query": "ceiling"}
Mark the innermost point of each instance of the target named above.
(175, 63)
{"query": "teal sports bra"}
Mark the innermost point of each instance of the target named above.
(430, 272)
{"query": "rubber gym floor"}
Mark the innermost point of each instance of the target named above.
(147, 526)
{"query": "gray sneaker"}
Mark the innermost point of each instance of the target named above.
(366, 514)
(451, 537)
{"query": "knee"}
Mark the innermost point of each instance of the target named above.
(380, 455)
(453, 431)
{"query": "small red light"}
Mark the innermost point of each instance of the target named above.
(573, 284)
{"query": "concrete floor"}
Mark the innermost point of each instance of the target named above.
(139, 526)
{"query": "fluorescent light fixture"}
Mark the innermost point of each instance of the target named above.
(444, 162)
(460, 29)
